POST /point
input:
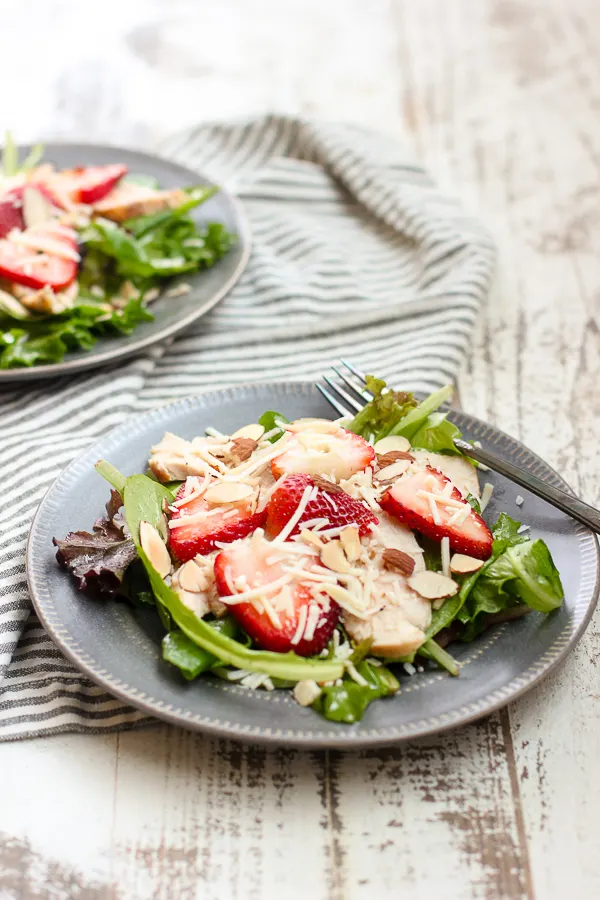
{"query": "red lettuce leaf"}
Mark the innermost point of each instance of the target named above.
(99, 559)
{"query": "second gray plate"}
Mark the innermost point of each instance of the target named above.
(170, 315)
(119, 648)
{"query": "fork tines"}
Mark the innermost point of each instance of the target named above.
(356, 384)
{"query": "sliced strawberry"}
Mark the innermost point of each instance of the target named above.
(40, 256)
(88, 184)
(204, 531)
(335, 505)
(11, 206)
(11, 213)
(330, 451)
(409, 499)
(297, 621)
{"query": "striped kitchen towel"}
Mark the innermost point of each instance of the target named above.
(355, 253)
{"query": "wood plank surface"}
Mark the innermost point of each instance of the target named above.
(501, 98)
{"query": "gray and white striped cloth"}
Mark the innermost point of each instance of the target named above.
(355, 253)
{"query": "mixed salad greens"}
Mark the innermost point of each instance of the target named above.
(265, 525)
(84, 251)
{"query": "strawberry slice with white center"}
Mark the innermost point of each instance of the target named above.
(328, 501)
(324, 450)
(199, 525)
(281, 613)
(89, 184)
(429, 503)
(39, 256)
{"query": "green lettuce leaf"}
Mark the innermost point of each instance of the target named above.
(162, 222)
(432, 650)
(10, 157)
(518, 571)
(270, 420)
(46, 339)
(348, 701)
(524, 572)
(385, 409)
(191, 660)
(437, 434)
(410, 424)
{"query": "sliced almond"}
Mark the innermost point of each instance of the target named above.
(462, 564)
(350, 541)
(398, 561)
(228, 492)
(393, 442)
(36, 208)
(309, 537)
(306, 692)
(323, 426)
(254, 432)
(242, 448)
(191, 578)
(325, 485)
(432, 585)
(394, 471)
(333, 556)
(386, 459)
(155, 549)
(163, 528)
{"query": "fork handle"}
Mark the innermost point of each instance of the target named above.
(569, 504)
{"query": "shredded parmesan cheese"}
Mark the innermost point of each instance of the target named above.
(312, 619)
(300, 509)
(446, 556)
(301, 625)
(435, 513)
(486, 496)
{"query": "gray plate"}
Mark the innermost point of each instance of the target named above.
(171, 315)
(119, 647)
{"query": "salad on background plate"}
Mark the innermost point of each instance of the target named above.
(85, 250)
(319, 557)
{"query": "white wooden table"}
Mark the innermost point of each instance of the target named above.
(502, 99)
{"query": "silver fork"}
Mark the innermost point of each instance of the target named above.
(354, 395)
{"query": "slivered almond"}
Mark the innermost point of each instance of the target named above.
(309, 537)
(253, 431)
(155, 549)
(333, 556)
(387, 459)
(242, 448)
(394, 442)
(350, 541)
(228, 492)
(394, 471)
(462, 564)
(398, 561)
(432, 585)
(191, 578)
(325, 485)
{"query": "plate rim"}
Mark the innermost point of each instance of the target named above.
(388, 735)
(92, 361)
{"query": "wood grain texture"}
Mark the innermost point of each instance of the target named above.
(501, 98)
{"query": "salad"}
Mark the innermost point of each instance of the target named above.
(315, 556)
(84, 251)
